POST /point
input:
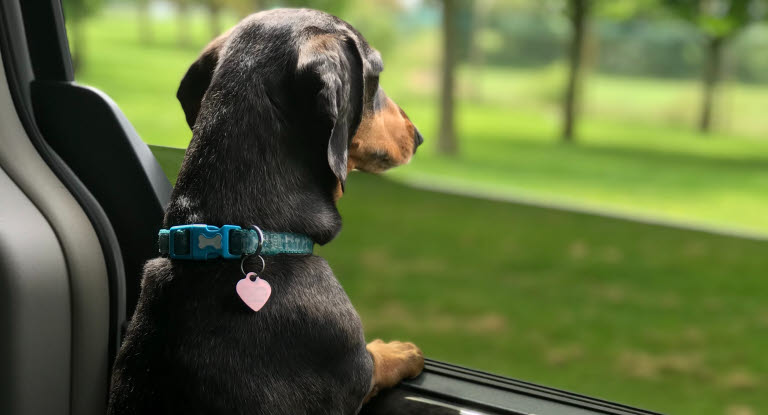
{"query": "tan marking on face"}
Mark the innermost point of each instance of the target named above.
(339, 192)
(383, 140)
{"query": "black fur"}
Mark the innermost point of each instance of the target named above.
(269, 148)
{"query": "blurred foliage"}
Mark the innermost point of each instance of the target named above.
(465, 30)
(627, 9)
(531, 37)
(376, 18)
(331, 6)
(75, 10)
(631, 37)
(375, 22)
(718, 18)
(727, 19)
(633, 47)
(637, 38)
(749, 60)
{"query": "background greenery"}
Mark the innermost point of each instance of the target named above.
(635, 132)
(661, 318)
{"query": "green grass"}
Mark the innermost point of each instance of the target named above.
(660, 318)
(626, 167)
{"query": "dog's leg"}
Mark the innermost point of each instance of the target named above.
(393, 362)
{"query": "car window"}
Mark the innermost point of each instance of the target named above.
(587, 210)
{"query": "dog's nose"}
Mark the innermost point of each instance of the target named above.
(417, 139)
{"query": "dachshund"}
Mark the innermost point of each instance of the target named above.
(282, 107)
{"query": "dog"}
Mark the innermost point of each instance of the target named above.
(282, 107)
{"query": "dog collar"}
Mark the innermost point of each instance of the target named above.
(201, 242)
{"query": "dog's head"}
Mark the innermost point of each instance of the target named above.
(333, 74)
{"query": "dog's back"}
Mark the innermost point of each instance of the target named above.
(194, 348)
(282, 107)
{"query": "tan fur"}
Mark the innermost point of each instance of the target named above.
(388, 130)
(339, 192)
(393, 362)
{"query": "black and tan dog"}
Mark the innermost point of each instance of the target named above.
(282, 107)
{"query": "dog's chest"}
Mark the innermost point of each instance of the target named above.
(306, 305)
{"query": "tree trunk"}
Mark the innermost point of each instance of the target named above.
(446, 143)
(145, 24)
(579, 16)
(476, 55)
(254, 6)
(712, 69)
(182, 21)
(213, 17)
(78, 43)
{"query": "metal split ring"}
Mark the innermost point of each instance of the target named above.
(256, 254)
(242, 263)
(261, 239)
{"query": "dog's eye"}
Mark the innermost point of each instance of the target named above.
(372, 91)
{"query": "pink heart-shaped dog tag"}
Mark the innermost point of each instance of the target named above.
(253, 293)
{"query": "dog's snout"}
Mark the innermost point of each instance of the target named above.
(417, 139)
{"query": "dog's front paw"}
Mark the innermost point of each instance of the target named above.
(393, 362)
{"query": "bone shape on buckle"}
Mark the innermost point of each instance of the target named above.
(204, 241)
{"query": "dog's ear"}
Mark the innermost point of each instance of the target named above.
(198, 78)
(335, 67)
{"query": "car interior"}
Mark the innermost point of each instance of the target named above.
(82, 199)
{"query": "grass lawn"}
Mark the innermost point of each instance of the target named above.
(660, 318)
(632, 168)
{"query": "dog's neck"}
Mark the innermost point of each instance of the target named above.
(255, 172)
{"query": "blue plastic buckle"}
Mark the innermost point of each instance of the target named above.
(205, 242)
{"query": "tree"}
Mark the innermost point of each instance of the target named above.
(182, 22)
(335, 7)
(578, 13)
(480, 13)
(214, 16)
(246, 7)
(145, 24)
(76, 11)
(446, 143)
(719, 21)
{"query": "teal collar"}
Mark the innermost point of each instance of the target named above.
(201, 242)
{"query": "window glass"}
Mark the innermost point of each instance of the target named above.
(593, 217)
